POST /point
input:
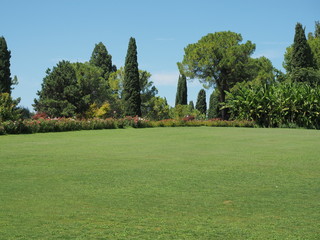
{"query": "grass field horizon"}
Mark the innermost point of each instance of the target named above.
(161, 183)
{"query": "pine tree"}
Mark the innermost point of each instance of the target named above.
(201, 104)
(101, 58)
(301, 51)
(5, 74)
(59, 95)
(131, 85)
(182, 91)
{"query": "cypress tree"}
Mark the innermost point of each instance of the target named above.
(182, 91)
(5, 74)
(317, 29)
(213, 111)
(201, 104)
(301, 51)
(131, 85)
(101, 58)
(191, 105)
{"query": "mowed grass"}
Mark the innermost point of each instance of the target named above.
(161, 183)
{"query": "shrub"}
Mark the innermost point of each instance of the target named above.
(42, 125)
(275, 105)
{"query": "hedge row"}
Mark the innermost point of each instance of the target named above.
(69, 124)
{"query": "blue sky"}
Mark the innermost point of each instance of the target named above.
(40, 33)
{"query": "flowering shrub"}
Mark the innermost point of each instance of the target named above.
(40, 116)
(41, 125)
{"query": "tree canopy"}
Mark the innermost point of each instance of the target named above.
(59, 94)
(217, 59)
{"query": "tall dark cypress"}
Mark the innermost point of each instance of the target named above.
(182, 91)
(131, 85)
(201, 104)
(317, 29)
(301, 51)
(5, 74)
(213, 111)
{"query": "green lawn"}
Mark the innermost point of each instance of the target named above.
(161, 183)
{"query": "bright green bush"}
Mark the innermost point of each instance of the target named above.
(276, 105)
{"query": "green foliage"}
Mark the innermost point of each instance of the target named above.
(8, 107)
(315, 49)
(306, 75)
(302, 59)
(131, 83)
(214, 106)
(191, 105)
(158, 109)
(217, 59)
(201, 104)
(301, 51)
(102, 59)
(92, 87)
(181, 111)
(317, 29)
(276, 105)
(5, 74)
(148, 93)
(260, 71)
(25, 112)
(182, 91)
(98, 112)
(59, 96)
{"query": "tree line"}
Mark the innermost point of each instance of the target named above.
(249, 88)
(244, 87)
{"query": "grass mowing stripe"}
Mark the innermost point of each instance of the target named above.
(161, 183)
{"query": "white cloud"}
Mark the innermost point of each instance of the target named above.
(165, 78)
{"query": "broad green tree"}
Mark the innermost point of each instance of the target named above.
(131, 84)
(59, 94)
(182, 91)
(5, 74)
(101, 58)
(92, 87)
(217, 59)
(201, 104)
(260, 71)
